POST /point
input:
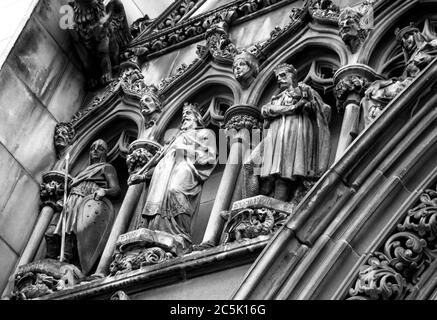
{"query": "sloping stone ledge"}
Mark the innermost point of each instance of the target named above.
(174, 271)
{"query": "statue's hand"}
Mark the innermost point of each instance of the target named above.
(135, 179)
(99, 194)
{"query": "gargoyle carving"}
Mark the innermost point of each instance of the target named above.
(100, 33)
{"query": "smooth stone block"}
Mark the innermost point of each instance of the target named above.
(69, 95)
(10, 170)
(38, 60)
(27, 127)
(20, 213)
(7, 263)
(48, 15)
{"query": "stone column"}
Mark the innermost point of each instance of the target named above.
(52, 190)
(140, 152)
(351, 83)
(240, 121)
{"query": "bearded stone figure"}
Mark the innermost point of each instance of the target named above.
(418, 53)
(89, 214)
(100, 33)
(296, 146)
(245, 68)
(177, 180)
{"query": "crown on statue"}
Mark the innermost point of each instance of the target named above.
(193, 107)
(285, 67)
(400, 33)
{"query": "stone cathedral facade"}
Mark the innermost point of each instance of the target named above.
(235, 149)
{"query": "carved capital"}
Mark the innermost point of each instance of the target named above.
(349, 86)
(140, 153)
(240, 117)
(52, 189)
(351, 83)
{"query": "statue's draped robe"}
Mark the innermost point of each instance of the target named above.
(297, 141)
(176, 185)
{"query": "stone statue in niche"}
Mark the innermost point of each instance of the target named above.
(100, 33)
(295, 149)
(64, 135)
(418, 53)
(177, 180)
(245, 68)
(89, 214)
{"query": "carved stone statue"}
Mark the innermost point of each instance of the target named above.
(245, 68)
(351, 30)
(99, 33)
(89, 214)
(150, 104)
(296, 146)
(177, 180)
(418, 53)
(64, 135)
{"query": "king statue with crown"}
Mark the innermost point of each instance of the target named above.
(176, 182)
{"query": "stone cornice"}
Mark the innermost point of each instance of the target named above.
(189, 266)
(194, 29)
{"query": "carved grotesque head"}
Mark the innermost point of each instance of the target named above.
(349, 22)
(64, 135)
(98, 151)
(191, 117)
(150, 101)
(286, 74)
(245, 68)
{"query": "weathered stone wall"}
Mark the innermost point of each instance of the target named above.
(41, 85)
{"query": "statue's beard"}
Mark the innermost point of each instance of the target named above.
(188, 124)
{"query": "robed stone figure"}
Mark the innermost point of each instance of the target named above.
(176, 185)
(89, 213)
(296, 145)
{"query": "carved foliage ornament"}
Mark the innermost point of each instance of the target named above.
(217, 37)
(242, 121)
(348, 85)
(392, 274)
